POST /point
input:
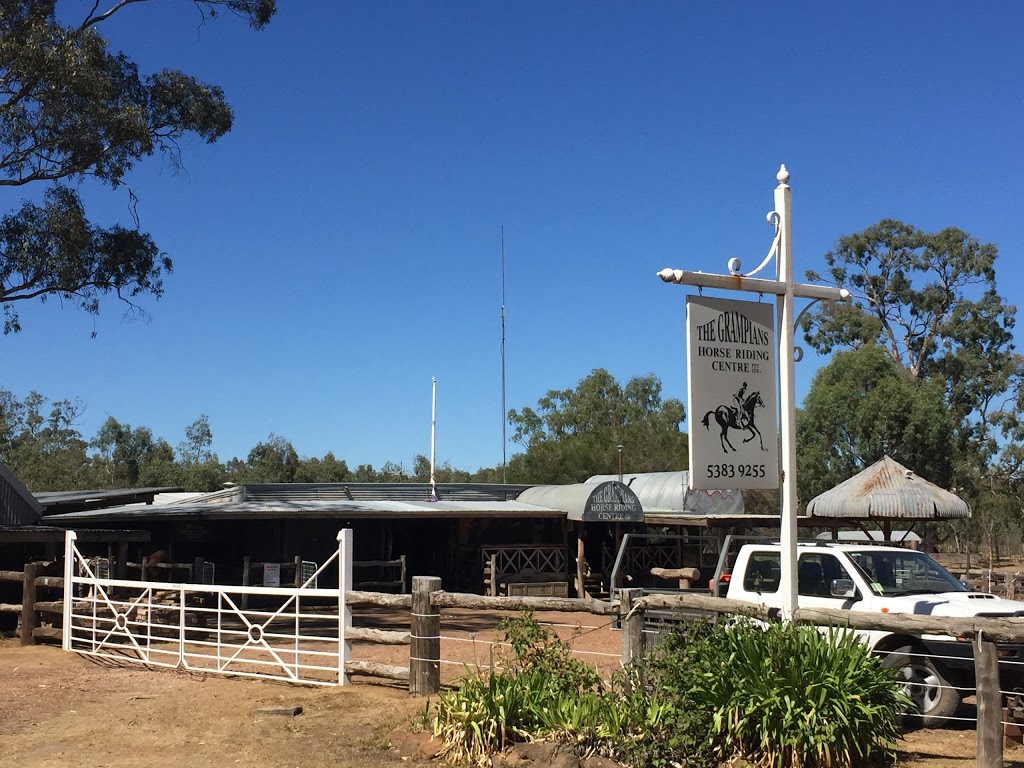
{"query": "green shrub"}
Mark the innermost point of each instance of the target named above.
(782, 695)
(491, 710)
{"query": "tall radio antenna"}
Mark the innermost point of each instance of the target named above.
(504, 441)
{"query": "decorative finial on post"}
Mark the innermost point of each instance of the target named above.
(782, 175)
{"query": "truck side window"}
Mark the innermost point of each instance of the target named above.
(816, 572)
(763, 572)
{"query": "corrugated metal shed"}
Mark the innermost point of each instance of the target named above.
(57, 502)
(136, 514)
(379, 491)
(888, 490)
(17, 505)
(668, 493)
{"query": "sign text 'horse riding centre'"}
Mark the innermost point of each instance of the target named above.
(730, 358)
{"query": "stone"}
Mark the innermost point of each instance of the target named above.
(420, 745)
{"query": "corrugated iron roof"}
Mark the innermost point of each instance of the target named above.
(283, 509)
(887, 489)
(56, 502)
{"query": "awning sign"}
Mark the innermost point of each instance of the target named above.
(730, 357)
(613, 502)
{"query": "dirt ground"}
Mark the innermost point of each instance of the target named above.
(60, 708)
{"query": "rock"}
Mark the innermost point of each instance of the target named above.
(547, 754)
(420, 745)
(508, 760)
(600, 762)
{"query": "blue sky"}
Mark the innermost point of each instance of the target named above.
(341, 246)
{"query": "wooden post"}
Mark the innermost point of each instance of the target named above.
(197, 570)
(581, 561)
(145, 567)
(425, 650)
(246, 568)
(990, 704)
(632, 626)
(493, 563)
(29, 617)
(298, 571)
(122, 561)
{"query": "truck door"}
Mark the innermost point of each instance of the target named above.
(816, 571)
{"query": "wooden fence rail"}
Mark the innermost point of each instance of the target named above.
(983, 631)
(427, 602)
(30, 628)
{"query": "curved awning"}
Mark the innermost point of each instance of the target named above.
(610, 501)
(668, 494)
(888, 490)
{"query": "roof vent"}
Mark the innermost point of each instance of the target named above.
(908, 473)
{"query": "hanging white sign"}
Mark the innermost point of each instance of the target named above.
(730, 357)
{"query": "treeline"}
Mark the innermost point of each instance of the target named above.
(569, 436)
(40, 443)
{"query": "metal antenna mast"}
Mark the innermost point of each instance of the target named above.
(504, 441)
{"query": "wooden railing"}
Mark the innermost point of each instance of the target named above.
(983, 631)
(427, 602)
(30, 608)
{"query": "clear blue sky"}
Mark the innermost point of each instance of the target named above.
(341, 245)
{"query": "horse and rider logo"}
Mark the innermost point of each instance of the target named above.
(739, 416)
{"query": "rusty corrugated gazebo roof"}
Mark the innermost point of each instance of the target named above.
(888, 490)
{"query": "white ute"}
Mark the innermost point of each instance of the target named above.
(938, 670)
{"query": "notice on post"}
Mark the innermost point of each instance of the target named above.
(731, 374)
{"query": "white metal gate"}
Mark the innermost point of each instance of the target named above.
(297, 634)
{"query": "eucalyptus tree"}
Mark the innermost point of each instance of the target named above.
(72, 109)
(130, 457)
(41, 444)
(863, 406)
(201, 470)
(930, 301)
(575, 433)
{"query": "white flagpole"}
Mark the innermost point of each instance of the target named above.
(433, 432)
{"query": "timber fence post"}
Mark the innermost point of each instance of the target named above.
(990, 704)
(425, 649)
(632, 625)
(246, 569)
(29, 617)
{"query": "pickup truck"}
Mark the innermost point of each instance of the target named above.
(937, 671)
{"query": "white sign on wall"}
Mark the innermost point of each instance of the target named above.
(730, 357)
(271, 574)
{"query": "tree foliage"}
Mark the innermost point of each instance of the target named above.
(575, 433)
(42, 446)
(861, 407)
(951, 407)
(71, 108)
(930, 301)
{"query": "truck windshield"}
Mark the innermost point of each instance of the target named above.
(905, 572)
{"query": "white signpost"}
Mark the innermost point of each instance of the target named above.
(730, 357)
(785, 290)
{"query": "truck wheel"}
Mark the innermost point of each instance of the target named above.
(935, 699)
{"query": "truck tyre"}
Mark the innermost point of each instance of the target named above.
(935, 699)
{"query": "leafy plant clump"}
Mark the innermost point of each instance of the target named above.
(542, 687)
(782, 695)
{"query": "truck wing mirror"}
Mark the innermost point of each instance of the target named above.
(843, 588)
